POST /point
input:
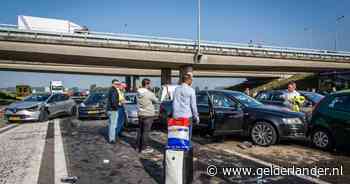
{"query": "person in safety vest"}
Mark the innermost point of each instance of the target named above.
(293, 100)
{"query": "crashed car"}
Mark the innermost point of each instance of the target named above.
(224, 112)
(40, 107)
(94, 106)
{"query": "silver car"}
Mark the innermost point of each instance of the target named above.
(131, 108)
(40, 107)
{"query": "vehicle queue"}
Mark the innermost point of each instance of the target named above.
(265, 120)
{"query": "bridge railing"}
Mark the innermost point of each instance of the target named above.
(12, 30)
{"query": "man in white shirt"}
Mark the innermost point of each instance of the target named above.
(184, 103)
(291, 93)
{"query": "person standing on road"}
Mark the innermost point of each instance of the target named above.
(113, 107)
(291, 97)
(121, 87)
(184, 103)
(146, 113)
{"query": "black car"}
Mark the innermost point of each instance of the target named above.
(228, 112)
(94, 106)
(275, 97)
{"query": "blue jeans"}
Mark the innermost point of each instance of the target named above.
(121, 120)
(112, 124)
(116, 123)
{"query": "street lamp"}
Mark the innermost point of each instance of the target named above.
(199, 27)
(199, 56)
(336, 30)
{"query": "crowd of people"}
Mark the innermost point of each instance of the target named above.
(184, 106)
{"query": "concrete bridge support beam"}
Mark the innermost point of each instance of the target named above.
(128, 82)
(135, 82)
(185, 69)
(165, 77)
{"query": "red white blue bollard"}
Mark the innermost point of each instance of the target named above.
(178, 161)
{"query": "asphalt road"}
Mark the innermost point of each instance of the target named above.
(33, 153)
(86, 149)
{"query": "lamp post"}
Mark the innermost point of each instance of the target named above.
(336, 30)
(199, 27)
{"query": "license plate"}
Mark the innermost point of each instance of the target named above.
(92, 112)
(14, 118)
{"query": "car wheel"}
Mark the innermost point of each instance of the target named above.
(263, 134)
(44, 116)
(322, 139)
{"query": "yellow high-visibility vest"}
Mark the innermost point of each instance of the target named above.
(120, 96)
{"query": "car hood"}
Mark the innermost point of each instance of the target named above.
(275, 110)
(23, 105)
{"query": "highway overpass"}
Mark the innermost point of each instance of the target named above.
(133, 51)
(117, 71)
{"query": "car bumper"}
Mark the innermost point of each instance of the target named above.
(22, 115)
(92, 113)
(288, 131)
(133, 120)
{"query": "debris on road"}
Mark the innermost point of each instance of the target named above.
(69, 179)
(105, 161)
(245, 145)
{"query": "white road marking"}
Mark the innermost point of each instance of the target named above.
(267, 164)
(8, 127)
(60, 158)
(32, 173)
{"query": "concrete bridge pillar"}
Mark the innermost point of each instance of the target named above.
(165, 77)
(183, 70)
(135, 82)
(128, 82)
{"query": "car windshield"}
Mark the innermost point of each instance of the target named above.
(37, 98)
(315, 97)
(130, 99)
(57, 88)
(95, 98)
(246, 100)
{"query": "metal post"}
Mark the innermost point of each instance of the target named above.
(336, 31)
(199, 27)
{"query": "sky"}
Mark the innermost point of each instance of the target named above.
(297, 23)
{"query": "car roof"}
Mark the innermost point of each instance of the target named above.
(346, 91)
(284, 91)
(222, 91)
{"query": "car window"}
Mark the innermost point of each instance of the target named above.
(202, 99)
(222, 101)
(277, 97)
(54, 98)
(61, 97)
(264, 96)
(131, 99)
(340, 103)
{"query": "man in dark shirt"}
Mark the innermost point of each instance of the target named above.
(113, 105)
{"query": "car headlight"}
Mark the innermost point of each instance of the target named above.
(34, 108)
(292, 121)
(82, 105)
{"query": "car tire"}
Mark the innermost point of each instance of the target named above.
(322, 139)
(44, 116)
(263, 134)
